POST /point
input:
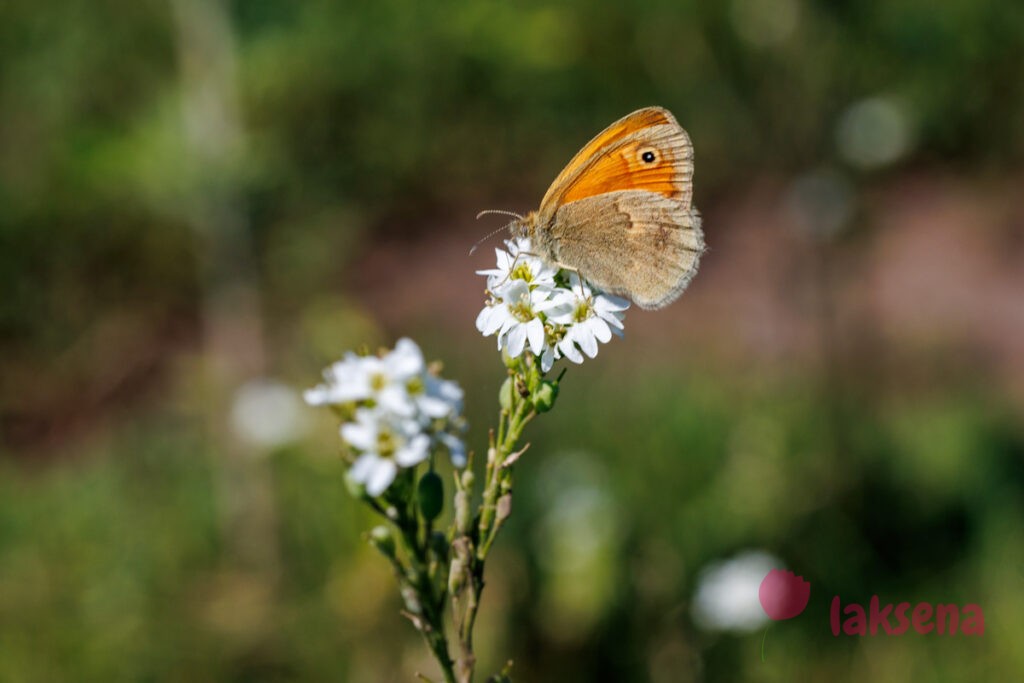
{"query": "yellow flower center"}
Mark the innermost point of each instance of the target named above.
(521, 310)
(386, 443)
(522, 272)
(582, 312)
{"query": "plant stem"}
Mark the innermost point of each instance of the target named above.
(429, 617)
(494, 510)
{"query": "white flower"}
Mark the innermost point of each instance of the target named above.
(403, 412)
(343, 383)
(555, 311)
(384, 379)
(435, 397)
(516, 318)
(518, 264)
(386, 442)
(587, 318)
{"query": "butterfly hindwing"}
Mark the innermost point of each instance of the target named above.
(632, 242)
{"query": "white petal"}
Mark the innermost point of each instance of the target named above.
(503, 259)
(414, 452)
(585, 338)
(433, 407)
(608, 302)
(445, 389)
(481, 318)
(396, 400)
(405, 361)
(361, 434)
(569, 350)
(381, 476)
(535, 333)
(547, 359)
(496, 319)
(600, 329)
(317, 396)
(516, 340)
(361, 468)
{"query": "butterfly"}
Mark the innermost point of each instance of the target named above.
(621, 213)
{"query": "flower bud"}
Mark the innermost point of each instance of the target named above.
(462, 518)
(505, 394)
(504, 508)
(456, 576)
(430, 495)
(544, 397)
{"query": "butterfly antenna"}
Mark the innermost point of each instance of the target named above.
(501, 211)
(494, 232)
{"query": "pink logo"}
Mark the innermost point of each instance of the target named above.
(783, 595)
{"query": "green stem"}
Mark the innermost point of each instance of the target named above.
(431, 601)
(497, 482)
(763, 639)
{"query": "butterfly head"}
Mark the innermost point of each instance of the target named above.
(524, 226)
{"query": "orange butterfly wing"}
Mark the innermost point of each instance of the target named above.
(646, 150)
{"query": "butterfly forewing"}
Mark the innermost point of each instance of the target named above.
(646, 150)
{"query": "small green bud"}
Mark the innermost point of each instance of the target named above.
(505, 394)
(380, 537)
(544, 397)
(467, 479)
(462, 518)
(430, 495)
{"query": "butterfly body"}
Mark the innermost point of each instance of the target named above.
(620, 213)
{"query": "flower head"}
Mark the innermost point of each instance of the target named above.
(398, 412)
(553, 313)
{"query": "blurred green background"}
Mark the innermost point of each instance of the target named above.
(202, 203)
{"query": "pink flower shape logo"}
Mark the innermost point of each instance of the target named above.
(783, 595)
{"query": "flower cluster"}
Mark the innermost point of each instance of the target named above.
(396, 412)
(553, 313)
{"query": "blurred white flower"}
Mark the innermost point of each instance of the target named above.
(344, 382)
(875, 132)
(727, 593)
(436, 398)
(384, 379)
(267, 413)
(553, 313)
(398, 410)
(387, 442)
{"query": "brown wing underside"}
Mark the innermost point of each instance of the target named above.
(637, 244)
